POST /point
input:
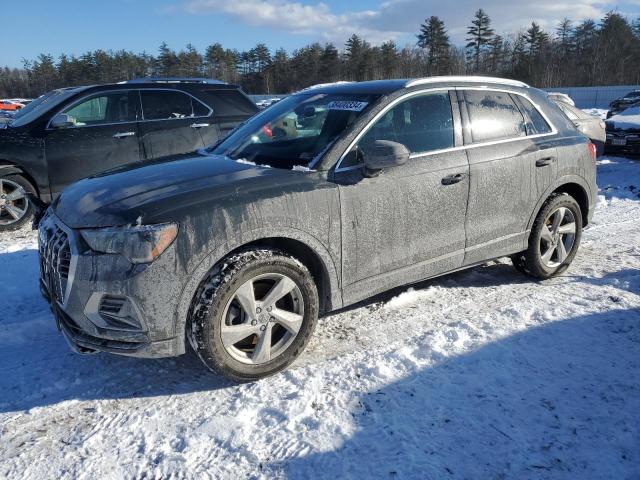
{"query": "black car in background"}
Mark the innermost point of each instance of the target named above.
(72, 133)
(621, 104)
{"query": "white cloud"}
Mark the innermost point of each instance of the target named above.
(296, 18)
(399, 19)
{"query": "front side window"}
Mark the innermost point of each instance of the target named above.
(112, 107)
(422, 123)
(493, 116)
(296, 130)
(169, 105)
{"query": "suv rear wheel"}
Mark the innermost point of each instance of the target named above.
(16, 209)
(554, 238)
(254, 314)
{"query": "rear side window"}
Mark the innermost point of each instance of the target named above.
(229, 102)
(536, 124)
(112, 107)
(493, 116)
(422, 123)
(168, 105)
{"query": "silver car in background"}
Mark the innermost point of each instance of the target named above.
(589, 125)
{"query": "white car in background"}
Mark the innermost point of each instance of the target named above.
(561, 97)
(589, 125)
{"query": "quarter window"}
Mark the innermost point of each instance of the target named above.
(422, 123)
(536, 124)
(168, 105)
(112, 107)
(493, 116)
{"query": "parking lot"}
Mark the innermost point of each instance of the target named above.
(480, 374)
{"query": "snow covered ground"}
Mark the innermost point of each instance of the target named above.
(597, 112)
(480, 374)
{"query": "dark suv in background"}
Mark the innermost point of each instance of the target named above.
(326, 198)
(621, 104)
(72, 133)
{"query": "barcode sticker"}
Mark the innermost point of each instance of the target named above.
(348, 105)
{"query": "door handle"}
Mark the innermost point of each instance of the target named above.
(543, 162)
(452, 179)
(124, 134)
(199, 125)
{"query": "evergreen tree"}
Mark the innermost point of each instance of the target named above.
(536, 39)
(434, 40)
(167, 61)
(389, 59)
(564, 34)
(479, 34)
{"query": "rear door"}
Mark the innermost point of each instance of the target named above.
(171, 123)
(105, 136)
(512, 162)
(407, 223)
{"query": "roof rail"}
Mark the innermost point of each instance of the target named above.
(321, 85)
(173, 80)
(469, 79)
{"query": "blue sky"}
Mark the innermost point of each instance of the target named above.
(30, 27)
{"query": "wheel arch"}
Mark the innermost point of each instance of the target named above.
(8, 168)
(308, 250)
(574, 186)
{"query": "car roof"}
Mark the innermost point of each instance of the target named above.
(168, 85)
(389, 86)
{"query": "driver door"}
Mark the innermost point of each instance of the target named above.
(405, 223)
(104, 136)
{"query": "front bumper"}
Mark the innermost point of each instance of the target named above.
(103, 302)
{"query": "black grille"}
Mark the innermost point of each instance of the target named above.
(55, 259)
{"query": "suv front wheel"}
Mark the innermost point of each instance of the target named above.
(254, 314)
(16, 209)
(554, 238)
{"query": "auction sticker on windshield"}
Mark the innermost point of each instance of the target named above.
(349, 105)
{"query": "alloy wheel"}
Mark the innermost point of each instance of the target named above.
(262, 318)
(557, 237)
(14, 202)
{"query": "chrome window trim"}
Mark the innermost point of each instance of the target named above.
(554, 130)
(138, 90)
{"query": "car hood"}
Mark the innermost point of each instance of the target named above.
(629, 121)
(157, 192)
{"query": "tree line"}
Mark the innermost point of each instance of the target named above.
(587, 53)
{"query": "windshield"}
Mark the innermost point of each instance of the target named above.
(33, 109)
(634, 94)
(295, 130)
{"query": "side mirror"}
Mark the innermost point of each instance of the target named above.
(385, 154)
(63, 121)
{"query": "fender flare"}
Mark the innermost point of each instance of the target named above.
(204, 265)
(10, 170)
(559, 183)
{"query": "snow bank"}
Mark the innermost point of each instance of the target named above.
(597, 112)
(480, 374)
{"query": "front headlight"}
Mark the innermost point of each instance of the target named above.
(139, 244)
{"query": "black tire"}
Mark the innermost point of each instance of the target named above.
(530, 261)
(219, 288)
(28, 216)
